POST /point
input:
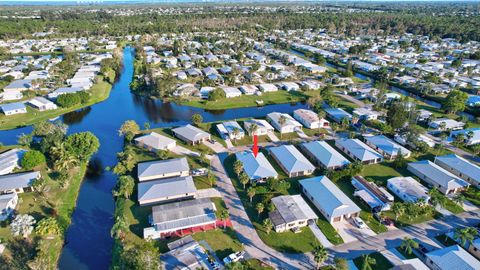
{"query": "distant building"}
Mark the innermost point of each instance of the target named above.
(18, 182)
(446, 124)
(291, 213)
(13, 108)
(310, 119)
(334, 205)
(261, 127)
(388, 148)
(337, 114)
(290, 125)
(42, 104)
(230, 130)
(178, 218)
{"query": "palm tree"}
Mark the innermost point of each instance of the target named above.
(125, 186)
(408, 245)
(237, 167)
(267, 225)
(119, 228)
(224, 216)
(398, 209)
(458, 200)
(253, 129)
(235, 132)
(251, 191)
(260, 207)
(244, 179)
(437, 198)
(282, 120)
(320, 255)
(368, 262)
(465, 235)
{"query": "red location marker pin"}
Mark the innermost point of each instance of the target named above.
(255, 145)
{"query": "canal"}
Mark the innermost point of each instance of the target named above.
(88, 243)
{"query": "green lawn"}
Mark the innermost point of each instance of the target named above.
(222, 241)
(289, 242)
(453, 207)
(381, 262)
(100, 92)
(277, 97)
(473, 195)
(404, 220)
(327, 229)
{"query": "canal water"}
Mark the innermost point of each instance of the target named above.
(88, 243)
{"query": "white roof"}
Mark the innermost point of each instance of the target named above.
(329, 197)
(437, 174)
(275, 117)
(291, 159)
(326, 154)
(409, 186)
(161, 167)
(453, 257)
(163, 188)
(256, 168)
(359, 149)
(155, 140)
(462, 165)
(386, 145)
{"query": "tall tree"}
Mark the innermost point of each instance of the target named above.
(129, 129)
(320, 255)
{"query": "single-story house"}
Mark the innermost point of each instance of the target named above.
(365, 114)
(310, 119)
(337, 114)
(334, 205)
(460, 167)
(267, 87)
(452, 257)
(174, 219)
(64, 90)
(11, 95)
(13, 108)
(471, 135)
(291, 213)
(42, 104)
(290, 124)
(257, 127)
(446, 124)
(191, 134)
(408, 189)
(185, 253)
(289, 86)
(156, 142)
(166, 190)
(388, 148)
(205, 91)
(358, 150)
(159, 169)
(231, 92)
(324, 155)
(438, 177)
(8, 202)
(257, 168)
(374, 196)
(18, 85)
(292, 162)
(10, 160)
(248, 89)
(18, 182)
(230, 130)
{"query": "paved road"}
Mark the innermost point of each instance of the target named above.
(423, 232)
(246, 231)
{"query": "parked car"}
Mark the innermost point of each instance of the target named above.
(359, 223)
(199, 172)
(234, 257)
(388, 222)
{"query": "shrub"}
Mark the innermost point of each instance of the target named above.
(32, 159)
(68, 100)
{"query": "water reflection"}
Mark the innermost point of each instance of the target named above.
(95, 168)
(77, 116)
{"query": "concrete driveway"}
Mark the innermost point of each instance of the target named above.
(216, 147)
(351, 233)
(179, 150)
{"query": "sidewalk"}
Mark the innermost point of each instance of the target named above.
(319, 235)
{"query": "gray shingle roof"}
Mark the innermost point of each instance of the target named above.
(291, 158)
(161, 167)
(10, 158)
(162, 188)
(256, 168)
(17, 180)
(332, 200)
(326, 154)
(191, 133)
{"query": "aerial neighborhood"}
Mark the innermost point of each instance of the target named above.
(297, 142)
